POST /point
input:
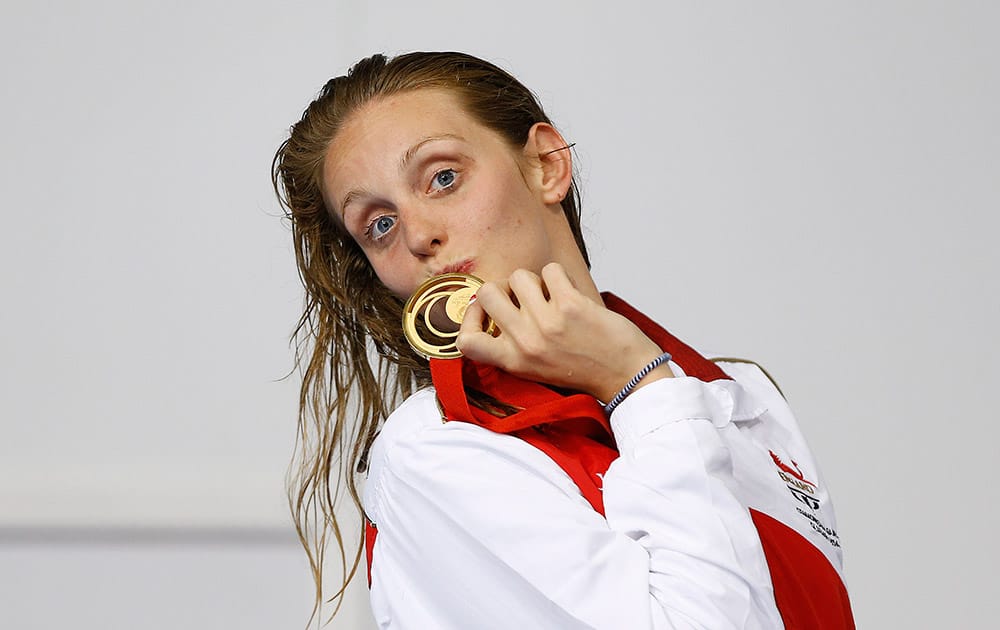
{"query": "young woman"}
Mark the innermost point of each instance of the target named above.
(578, 466)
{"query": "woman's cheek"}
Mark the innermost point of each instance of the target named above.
(398, 286)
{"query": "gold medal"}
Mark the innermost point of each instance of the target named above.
(434, 313)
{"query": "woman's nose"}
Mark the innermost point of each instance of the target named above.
(423, 231)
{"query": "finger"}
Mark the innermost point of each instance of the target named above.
(472, 341)
(480, 347)
(527, 287)
(474, 319)
(558, 281)
(493, 298)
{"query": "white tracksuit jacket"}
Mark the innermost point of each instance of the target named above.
(482, 530)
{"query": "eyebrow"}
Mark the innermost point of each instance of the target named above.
(350, 197)
(413, 150)
(403, 162)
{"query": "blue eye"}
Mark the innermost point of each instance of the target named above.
(443, 179)
(378, 228)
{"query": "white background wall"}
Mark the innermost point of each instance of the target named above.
(813, 185)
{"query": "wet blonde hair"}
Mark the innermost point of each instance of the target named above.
(356, 365)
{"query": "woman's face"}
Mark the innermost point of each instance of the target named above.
(425, 189)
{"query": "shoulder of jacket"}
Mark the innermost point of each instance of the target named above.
(413, 416)
(419, 411)
(739, 365)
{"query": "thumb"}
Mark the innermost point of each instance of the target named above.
(472, 340)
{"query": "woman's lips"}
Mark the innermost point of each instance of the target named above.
(465, 266)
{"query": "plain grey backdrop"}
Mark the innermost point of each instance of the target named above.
(812, 185)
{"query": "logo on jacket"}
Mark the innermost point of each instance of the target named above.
(800, 487)
(804, 492)
(794, 472)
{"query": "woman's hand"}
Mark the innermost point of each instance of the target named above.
(552, 333)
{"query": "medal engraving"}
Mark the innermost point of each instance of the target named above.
(434, 313)
(458, 302)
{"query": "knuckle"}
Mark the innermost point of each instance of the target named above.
(572, 307)
(531, 348)
(466, 344)
(552, 326)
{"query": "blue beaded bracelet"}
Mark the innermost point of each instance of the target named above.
(623, 394)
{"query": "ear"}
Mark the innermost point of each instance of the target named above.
(547, 149)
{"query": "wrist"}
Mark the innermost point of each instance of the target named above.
(630, 362)
(654, 370)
